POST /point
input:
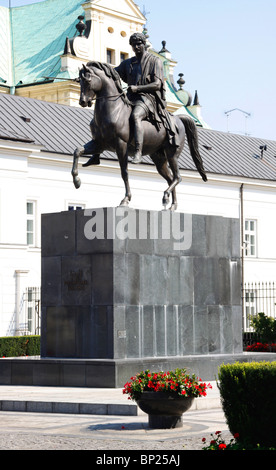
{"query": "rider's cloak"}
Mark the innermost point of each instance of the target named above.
(135, 72)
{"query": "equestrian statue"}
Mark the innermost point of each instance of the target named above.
(137, 122)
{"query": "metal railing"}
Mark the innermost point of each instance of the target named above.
(258, 297)
(32, 323)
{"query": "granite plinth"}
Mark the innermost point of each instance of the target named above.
(124, 290)
(120, 283)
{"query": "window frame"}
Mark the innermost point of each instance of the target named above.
(248, 234)
(123, 56)
(73, 206)
(31, 217)
(112, 56)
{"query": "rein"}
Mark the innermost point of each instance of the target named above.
(109, 96)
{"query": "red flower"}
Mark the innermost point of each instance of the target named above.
(236, 435)
(203, 439)
(222, 446)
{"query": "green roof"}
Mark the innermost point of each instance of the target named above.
(38, 35)
(33, 38)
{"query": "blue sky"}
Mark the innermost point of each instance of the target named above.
(225, 49)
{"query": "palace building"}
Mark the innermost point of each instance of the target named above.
(43, 46)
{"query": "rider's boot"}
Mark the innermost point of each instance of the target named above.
(94, 160)
(138, 153)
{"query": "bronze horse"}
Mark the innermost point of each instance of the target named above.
(111, 131)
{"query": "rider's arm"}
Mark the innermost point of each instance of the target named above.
(149, 88)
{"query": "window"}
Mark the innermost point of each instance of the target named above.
(249, 308)
(123, 56)
(30, 223)
(75, 207)
(250, 237)
(110, 56)
(32, 310)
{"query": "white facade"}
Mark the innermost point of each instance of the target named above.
(34, 182)
(260, 206)
(44, 181)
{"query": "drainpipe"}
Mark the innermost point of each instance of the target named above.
(242, 243)
(12, 88)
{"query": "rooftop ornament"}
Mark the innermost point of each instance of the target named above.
(181, 80)
(81, 26)
(196, 100)
(163, 47)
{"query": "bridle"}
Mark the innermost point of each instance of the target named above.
(117, 95)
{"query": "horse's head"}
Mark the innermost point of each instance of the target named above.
(90, 84)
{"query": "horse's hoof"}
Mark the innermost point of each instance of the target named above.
(77, 182)
(136, 160)
(173, 207)
(165, 200)
(124, 203)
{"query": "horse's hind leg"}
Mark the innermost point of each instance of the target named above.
(163, 169)
(122, 153)
(176, 178)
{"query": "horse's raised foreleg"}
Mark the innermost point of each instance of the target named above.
(122, 154)
(77, 154)
(88, 149)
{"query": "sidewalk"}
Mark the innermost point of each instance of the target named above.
(74, 400)
(50, 418)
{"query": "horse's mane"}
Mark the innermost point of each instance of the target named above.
(110, 72)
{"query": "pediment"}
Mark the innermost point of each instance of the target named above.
(124, 7)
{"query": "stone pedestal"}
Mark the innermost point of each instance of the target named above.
(126, 290)
(123, 284)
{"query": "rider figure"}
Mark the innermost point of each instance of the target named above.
(146, 91)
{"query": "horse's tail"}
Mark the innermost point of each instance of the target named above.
(192, 137)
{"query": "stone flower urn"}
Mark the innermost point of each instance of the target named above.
(164, 410)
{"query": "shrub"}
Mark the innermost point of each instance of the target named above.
(14, 346)
(247, 393)
(265, 328)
